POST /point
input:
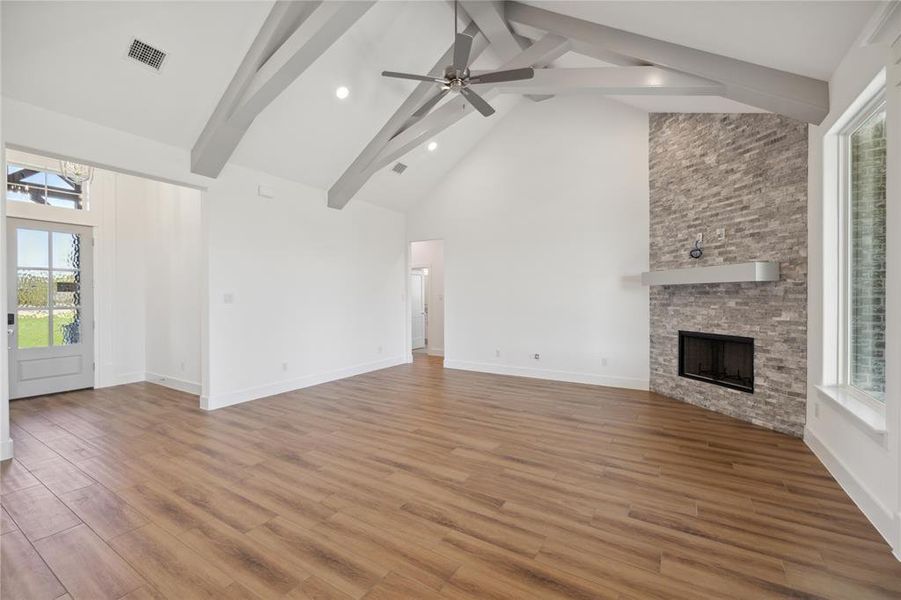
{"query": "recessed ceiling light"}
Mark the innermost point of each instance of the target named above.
(432, 146)
(342, 92)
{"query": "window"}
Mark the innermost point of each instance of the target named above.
(27, 184)
(863, 258)
(48, 288)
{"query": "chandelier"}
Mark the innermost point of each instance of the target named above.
(76, 173)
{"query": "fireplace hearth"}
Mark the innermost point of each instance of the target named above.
(725, 360)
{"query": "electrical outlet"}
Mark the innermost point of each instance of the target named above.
(497, 353)
(700, 237)
(721, 234)
(380, 349)
(228, 298)
(284, 366)
(183, 366)
(604, 361)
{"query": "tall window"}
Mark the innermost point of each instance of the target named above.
(863, 249)
(27, 184)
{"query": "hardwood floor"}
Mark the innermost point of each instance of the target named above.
(416, 482)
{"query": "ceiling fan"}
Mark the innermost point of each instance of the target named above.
(457, 77)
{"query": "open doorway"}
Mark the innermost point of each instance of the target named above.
(427, 298)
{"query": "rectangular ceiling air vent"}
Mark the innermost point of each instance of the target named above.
(146, 54)
(399, 168)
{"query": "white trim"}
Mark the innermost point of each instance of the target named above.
(6, 449)
(835, 227)
(755, 271)
(435, 351)
(857, 405)
(182, 385)
(632, 383)
(878, 514)
(896, 550)
(126, 378)
(884, 26)
(281, 387)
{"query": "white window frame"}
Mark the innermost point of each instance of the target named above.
(836, 280)
(51, 166)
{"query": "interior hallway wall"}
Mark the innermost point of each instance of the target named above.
(545, 229)
(431, 254)
(299, 293)
(174, 290)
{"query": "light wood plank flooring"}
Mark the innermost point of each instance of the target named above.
(419, 482)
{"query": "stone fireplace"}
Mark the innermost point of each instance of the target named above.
(741, 181)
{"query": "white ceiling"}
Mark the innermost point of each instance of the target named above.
(70, 57)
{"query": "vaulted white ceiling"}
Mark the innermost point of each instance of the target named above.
(70, 57)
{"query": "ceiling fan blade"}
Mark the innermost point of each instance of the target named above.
(411, 76)
(462, 48)
(430, 104)
(477, 101)
(498, 76)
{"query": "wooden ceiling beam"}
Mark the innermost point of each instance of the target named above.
(294, 35)
(489, 16)
(358, 172)
(612, 80)
(547, 48)
(789, 94)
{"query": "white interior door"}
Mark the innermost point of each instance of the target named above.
(50, 327)
(417, 302)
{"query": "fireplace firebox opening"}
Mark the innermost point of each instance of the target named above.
(725, 360)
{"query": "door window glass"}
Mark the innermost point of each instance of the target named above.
(48, 288)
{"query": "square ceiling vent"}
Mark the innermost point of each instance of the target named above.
(146, 54)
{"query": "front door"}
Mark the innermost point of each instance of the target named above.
(50, 325)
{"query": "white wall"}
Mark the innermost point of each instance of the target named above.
(125, 360)
(337, 277)
(299, 293)
(545, 229)
(147, 287)
(430, 254)
(864, 462)
(6, 444)
(29, 127)
(174, 287)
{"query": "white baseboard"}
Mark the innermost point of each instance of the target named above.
(435, 351)
(568, 376)
(125, 378)
(280, 387)
(878, 514)
(182, 385)
(6, 449)
(896, 551)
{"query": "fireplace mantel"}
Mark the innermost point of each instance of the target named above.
(756, 271)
